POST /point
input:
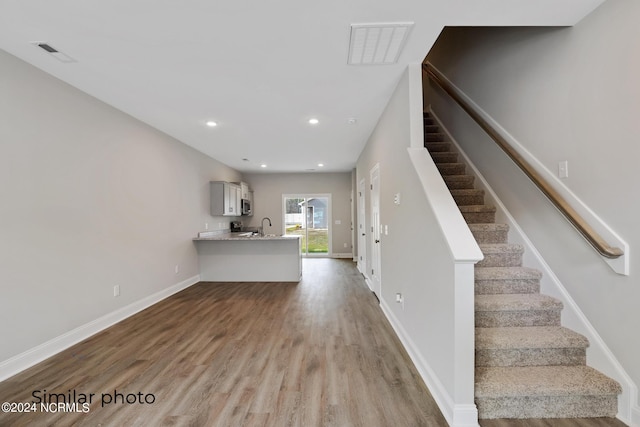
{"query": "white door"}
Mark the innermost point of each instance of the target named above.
(375, 231)
(362, 230)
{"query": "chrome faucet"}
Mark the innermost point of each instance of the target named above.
(262, 225)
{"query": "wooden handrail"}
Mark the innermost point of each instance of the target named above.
(559, 202)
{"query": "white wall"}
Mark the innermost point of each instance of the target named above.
(90, 198)
(564, 94)
(267, 201)
(416, 258)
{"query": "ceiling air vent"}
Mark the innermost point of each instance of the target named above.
(374, 44)
(60, 56)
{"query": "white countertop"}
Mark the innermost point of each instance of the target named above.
(213, 236)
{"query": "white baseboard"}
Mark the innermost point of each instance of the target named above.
(342, 255)
(456, 415)
(368, 282)
(22, 361)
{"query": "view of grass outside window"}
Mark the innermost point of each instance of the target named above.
(308, 217)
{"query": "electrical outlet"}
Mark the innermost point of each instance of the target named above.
(206, 225)
(345, 245)
(177, 268)
(116, 291)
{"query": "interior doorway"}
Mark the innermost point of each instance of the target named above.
(309, 216)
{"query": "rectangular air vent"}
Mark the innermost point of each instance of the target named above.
(60, 56)
(373, 44)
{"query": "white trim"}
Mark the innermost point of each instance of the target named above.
(22, 361)
(635, 416)
(367, 281)
(416, 107)
(599, 356)
(461, 243)
(342, 255)
(375, 223)
(456, 415)
(361, 255)
(619, 265)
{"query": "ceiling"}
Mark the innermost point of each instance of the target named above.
(260, 69)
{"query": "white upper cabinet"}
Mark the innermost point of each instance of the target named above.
(226, 199)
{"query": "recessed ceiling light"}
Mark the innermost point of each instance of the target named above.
(212, 124)
(320, 165)
(314, 121)
(352, 121)
(263, 165)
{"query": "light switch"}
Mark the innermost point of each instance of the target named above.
(386, 230)
(563, 169)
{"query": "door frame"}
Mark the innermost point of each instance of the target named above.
(362, 228)
(376, 246)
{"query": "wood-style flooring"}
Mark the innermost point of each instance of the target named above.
(316, 353)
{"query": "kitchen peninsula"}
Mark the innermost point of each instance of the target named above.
(238, 257)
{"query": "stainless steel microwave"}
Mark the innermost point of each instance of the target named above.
(246, 207)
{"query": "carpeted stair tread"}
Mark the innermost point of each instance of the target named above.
(434, 137)
(545, 392)
(451, 168)
(468, 196)
(455, 182)
(490, 233)
(527, 337)
(475, 214)
(494, 248)
(500, 273)
(431, 128)
(492, 226)
(523, 381)
(438, 146)
(530, 346)
(501, 255)
(507, 280)
(477, 208)
(467, 192)
(444, 157)
(516, 302)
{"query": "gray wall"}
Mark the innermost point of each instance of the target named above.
(90, 198)
(415, 258)
(565, 94)
(267, 201)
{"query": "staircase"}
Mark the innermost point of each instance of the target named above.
(527, 364)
